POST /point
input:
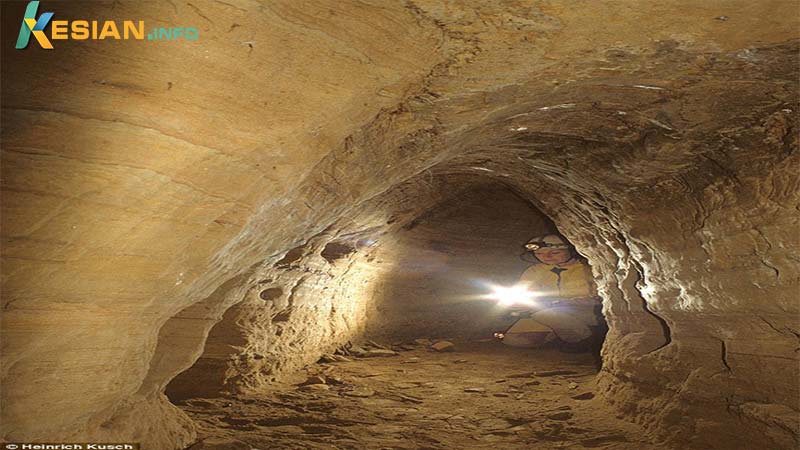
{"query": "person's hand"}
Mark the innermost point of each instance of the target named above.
(517, 314)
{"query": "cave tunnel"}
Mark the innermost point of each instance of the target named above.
(289, 230)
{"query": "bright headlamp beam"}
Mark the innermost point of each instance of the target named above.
(514, 295)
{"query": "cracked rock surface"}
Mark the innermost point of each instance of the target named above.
(483, 396)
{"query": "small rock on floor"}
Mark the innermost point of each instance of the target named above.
(522, 375)
(560, 416)
(315, 379)
(494, 424)
(443, 346)
(474, 389)
(376, 345)
(332, 379)
(326, 359)
(333, 358)
(220, 444)
(378, 352)
(356, 351)
(584, 396)
(552, 373)
(314, 387)
(360, 392)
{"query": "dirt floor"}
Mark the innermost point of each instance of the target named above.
(483, 395)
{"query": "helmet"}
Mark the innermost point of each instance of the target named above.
(547, 240)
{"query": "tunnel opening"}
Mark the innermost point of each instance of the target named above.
(443, 267)
(429, 327)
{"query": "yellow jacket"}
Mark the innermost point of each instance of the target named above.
(568, 282)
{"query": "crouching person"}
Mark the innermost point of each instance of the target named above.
(569, 312)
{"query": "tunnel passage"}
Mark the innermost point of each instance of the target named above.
(443, 261)
(428, 278)
(423, 284)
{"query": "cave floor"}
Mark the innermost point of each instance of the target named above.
(484, 395)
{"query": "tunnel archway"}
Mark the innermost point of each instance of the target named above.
(432, 268)
(441, 261)
(435, 270)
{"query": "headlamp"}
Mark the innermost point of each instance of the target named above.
(537, 245)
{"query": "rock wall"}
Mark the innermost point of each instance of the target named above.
(310, 301)
(149, 189)
(131, 169)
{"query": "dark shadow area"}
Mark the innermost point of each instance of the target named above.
(336, 250)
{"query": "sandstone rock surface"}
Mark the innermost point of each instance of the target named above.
(195, 218)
